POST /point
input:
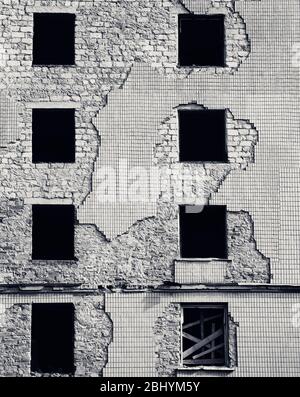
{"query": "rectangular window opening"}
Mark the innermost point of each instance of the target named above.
(53, 232)
(53, 135)
(205, 335)
(203, 231)
(201, 40)
(53, 39)
(202, 135)
(52, 338)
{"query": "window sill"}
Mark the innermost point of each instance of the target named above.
(202, 260)
(52, 66)
(207, 368)
(195, 66)
(204, 162)
(54, 261)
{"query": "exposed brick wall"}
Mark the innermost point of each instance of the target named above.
(143, 256)
(112, 37)
(15, 345)
(248, 264)
(109, 37)
(93, 334)
(167, 331)
(204, 178)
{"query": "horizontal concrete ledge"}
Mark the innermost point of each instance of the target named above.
(203, 288)
(206, 368)
(242, 287)
(200, 260)
(42, 201)
(76, 288)
(25, 289)
(53, 105)
(52, 9)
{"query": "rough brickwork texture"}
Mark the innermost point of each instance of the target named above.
(15, 345)
(110, 39)
(167, 331)
(93, 333)
(126, 87)
(204, 178)
(143, 256)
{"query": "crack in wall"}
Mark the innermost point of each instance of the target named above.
(142, 256)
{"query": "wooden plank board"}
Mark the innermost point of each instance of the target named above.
(191, 337)
(185, 326)
(212, 349)
(212, 361)
(191, 324)
(203, 342)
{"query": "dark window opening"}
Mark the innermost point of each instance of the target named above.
(205, 335)
(53, 135)
(202, 135)
(53, 39)
(203, 232)
(53, 232)
(52, 338)
(201, 40)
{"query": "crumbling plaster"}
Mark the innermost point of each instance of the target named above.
(93, 334)
(110, 38)
(204, 178)
(167, 331)
(143, 256)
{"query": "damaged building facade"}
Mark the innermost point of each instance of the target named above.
(149, 188)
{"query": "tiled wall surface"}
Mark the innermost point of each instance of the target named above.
(124, 86)
(268, 333)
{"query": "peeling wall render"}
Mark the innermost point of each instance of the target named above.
(143, 256)
(126, 87)
(167, 331)
(93, 334)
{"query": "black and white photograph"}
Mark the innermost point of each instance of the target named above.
(149, 193)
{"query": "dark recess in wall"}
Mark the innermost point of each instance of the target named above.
(53, 232)
(53, 39)
(202, 135)
(53, 135)
(201, 40)
(52, 344)
(203, 234)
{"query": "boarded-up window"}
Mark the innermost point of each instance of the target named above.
(203, 233)
(205, 335)
(52, 343)
(201, 40)
(202, 135)
(53, 232)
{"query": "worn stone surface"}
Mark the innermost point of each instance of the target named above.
(200, 180)
(143, 256)
(93, 334)
(110, 38)
(167, 331)
(248, 264)
(15, 345)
